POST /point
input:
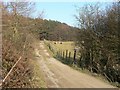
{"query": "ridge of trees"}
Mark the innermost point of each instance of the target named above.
(54, 30)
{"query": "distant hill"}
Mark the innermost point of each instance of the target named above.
(54, 30)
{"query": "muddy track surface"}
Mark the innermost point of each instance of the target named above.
(58, 75)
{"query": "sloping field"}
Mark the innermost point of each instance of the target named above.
(62, 46)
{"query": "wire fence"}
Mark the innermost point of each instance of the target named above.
(66, 56)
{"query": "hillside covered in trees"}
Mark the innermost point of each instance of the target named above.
(54, 30)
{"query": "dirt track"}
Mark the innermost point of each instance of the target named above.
(58, 75)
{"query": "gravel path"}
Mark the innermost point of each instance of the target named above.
(58, 75)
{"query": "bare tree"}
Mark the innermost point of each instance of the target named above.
(40, 15)
(100, 34)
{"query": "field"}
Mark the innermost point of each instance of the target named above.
(61, 46)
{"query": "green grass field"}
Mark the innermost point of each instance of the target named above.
(57, 46)
(69, 45)
(64, 46)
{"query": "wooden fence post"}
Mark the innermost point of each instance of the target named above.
(69, 55)
(74, 56)
(57, 53)
(60, 53)
(80, 61)
(66, 54)
(63, 54)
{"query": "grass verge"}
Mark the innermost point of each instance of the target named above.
(37, 79)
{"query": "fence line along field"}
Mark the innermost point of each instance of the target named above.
(64, 51)
(61, 45)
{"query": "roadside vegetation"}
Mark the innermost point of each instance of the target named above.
(99, 40)
(16, 46)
